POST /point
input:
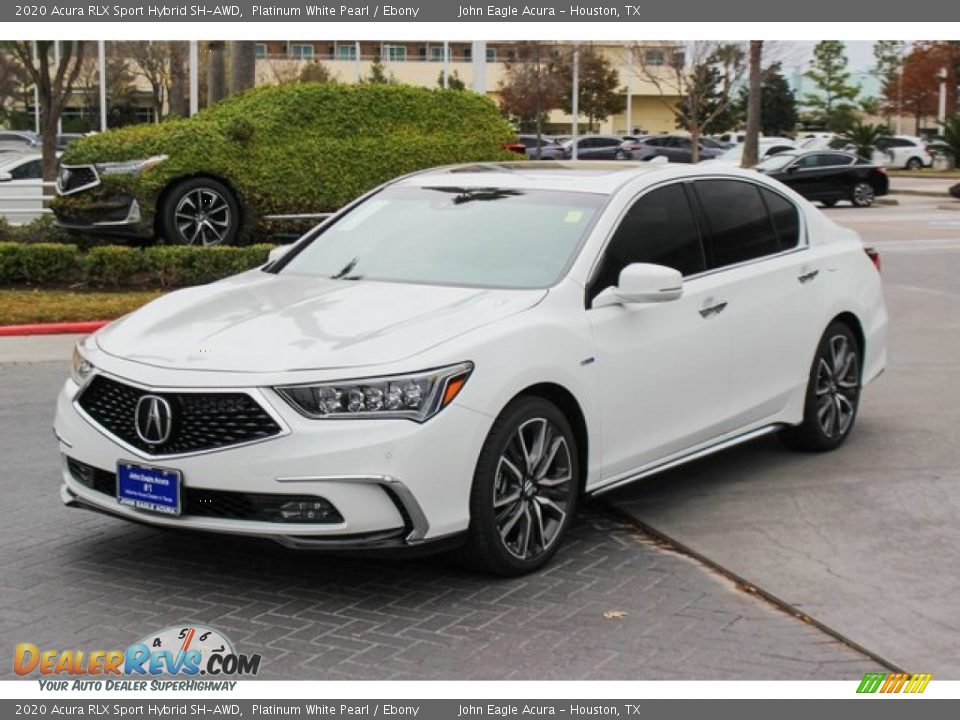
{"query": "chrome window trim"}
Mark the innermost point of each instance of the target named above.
(803, 242)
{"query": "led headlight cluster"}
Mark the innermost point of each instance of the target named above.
(129, 167)
(417, 397)
(80, 368)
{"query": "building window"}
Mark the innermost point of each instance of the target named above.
(346, 52)
(468, 53)
(260, 50)
(653, 57)
(301, 52)
(491, 54)
(436, 54)
(397, 53)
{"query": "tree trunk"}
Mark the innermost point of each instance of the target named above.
(216, 73)
(48, 142)
(751, 143)
(243, 66)
(695, 139)
(177, 93)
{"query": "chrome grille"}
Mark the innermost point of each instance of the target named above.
(74, 178)
(201, 420)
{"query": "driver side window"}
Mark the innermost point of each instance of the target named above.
(660, 229)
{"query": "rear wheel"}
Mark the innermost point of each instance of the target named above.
(862, 194)
(833, 393)
(200, 211)
(914, 163)
(524, 489)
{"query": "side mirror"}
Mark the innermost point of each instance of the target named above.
(5, 177)
(278, 252)
(792, 169)
(643, 283)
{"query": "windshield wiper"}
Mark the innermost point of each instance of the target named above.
(344, 273)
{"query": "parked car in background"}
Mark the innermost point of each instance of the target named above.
(676, 148)
(363, 390)
(902, 151)
(594, 147)
(766, 148)
(18, 141)
(550, 149)
(222, 175)
(714, 144)
(21, 187)
(828, 176)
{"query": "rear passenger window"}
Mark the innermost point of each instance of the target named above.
(786, 219)
(738, 221)
(658, 229)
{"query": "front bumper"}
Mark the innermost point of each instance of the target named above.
(396, 483)
(103, 210)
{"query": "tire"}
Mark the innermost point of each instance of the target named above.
(914, 163)
(200, 211)
(829, 203)
(833, 393)
(862, 194)
(520, 509)
(621, 155)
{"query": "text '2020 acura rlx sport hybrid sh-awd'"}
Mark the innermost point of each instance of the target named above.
(458, 356)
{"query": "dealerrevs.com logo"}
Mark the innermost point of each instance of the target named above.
(189, 651)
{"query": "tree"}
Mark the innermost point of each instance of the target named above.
(949, 140)
(528, 90)
(599, 92)
(890, 56)
(243, 65)
(177, 93)
(751, 143)
(15, 88)
(691, 85)
(865, 137)
(54, 82)
(453, 81)
(316, 71)
(828, 71)
(151, 61)
(216, 72)
(919, 93)
(121, 91)
(378, 71)
(778, 106)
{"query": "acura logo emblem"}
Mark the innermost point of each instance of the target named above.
(154, 419)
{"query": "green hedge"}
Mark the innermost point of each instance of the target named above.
(115, 266)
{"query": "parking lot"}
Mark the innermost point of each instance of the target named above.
(864, 541)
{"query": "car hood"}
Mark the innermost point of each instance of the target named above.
(264, 323)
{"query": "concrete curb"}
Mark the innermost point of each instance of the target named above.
(52, 328)
(949, 206)
(919, 193)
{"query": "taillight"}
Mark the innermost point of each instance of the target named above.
(633, 147)
(874, 256)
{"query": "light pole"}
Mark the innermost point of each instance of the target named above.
(102, 58)
(576, 100)
(942, 109)
(194, 78)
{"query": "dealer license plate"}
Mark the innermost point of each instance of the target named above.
(149, 488)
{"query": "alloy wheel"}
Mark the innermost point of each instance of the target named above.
(863, 194)
(837, 385)
(531, 491)
(203, 217)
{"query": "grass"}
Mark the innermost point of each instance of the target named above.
(926, 173)
(19, 307)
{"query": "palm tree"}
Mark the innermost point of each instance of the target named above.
(949, 141)
(865, 138)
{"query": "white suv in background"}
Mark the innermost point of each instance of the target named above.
(902, 151)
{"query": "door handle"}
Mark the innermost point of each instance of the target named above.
(712, 310)
(808, 276)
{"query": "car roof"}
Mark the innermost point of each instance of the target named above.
(16, 158)
(598, 177)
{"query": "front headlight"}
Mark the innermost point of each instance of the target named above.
(80, 369)
(417, 397)
(129, 167)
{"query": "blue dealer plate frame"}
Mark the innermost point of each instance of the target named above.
(153, 489)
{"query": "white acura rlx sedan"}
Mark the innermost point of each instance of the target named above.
(459, 355)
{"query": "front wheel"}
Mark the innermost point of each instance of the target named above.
(525, 489)
(862, 195)
(200, 211)
(914, 163)
(833, 393)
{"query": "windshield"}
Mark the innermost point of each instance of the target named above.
(734, 153)
(776, 162)
(476, 237)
